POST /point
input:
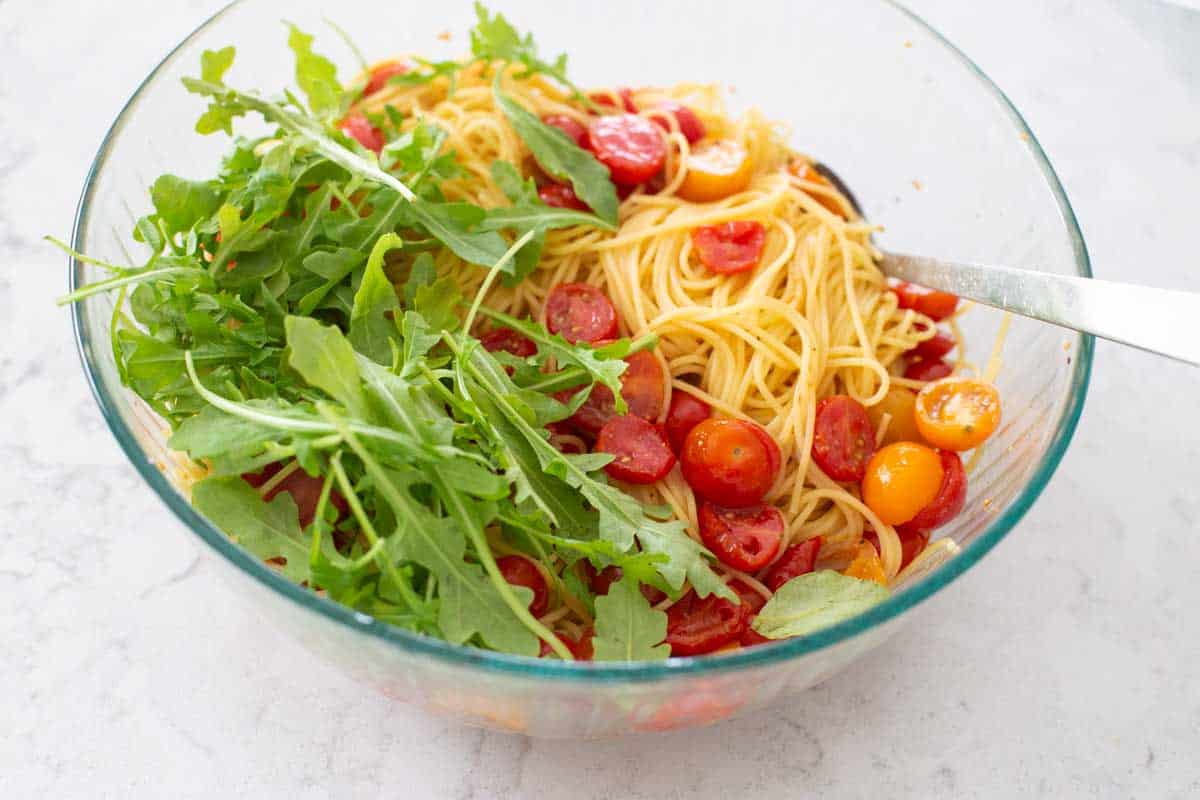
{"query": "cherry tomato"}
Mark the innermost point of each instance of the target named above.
(950, 498)
(559, 195)
(799, 559)
(520, 571)
(508, 341)
(728, 462)
(696, 626)
(751, 637)
(686, 412)
(750, 598)
(581, 313)
(729, 247)
(602, 580)
(632, 147)
(609, 98)
(642, 385)
(581, 648)
(941, 344)
(568, 125)
(640, 452)
(716, 171)
(932, 303)
(843, 438)
(743, 538)
(689, 124)
(806, 172)
(902, 479)
(958, 413)
(561, 429)
(866, 565)
(304, 489)
(928, 369)
(359, 128)
(899, 403)
(911, 543)
(381, 74)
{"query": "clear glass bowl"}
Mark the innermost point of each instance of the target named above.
(931, 147)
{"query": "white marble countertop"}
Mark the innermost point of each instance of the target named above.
(1064, 665)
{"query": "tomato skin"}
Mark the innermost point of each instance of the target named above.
(932, 303)
(806, 172)
(570, 126)
(696, 626)
(901, 480)
(957, 413)
(946, 505)
(641, 386)
(867, 565)
(799, 559)
(937, 347)
(926, 369)
(599, 581)
(685, 413)
(520, 571)
(751, 637)
(900, 404)
(381, 74)
(304, 489)
(716, 171)
(508, 341)
(581, 313)
(632, 147)
(560, 195)
(743, 538)
(727, 462)
(843, 438)
(911, 543)
(641, 454)
(581, 648)
(607, 100)
(689, 124)
(750, 598)
(729, 247)
(359, 128)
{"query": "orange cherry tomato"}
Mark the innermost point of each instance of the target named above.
(900, 404)
(716, 171)
(902, 479)
(805, 172)
(867, 566)
(957, 413)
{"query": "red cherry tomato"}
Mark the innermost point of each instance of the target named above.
(568, 125)
(730, 462)
(359, 128)
(520, 571)
(508, 341)
(696, 626)
(640, 451)
(381, 74)
(743, 538)
(606, 99)
(911, 543)
(938, 346)
(686, 412)
(641, 386)
(559, 195)
(928, 369)
(599, 581)
(750, 598)
(799, 559)
(581, 313)
(843, 438)
(304, 489)
(951, 496)
(729, 247)
(930, 302)
(581, 648)
(689, 124)
(751, 637)
(632, 147)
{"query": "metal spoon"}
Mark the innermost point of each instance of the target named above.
(1162, 321)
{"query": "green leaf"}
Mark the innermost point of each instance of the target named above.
(269, 530)
(627, 628)
(215, 63)
(316, 75)
(814, 601)
(373, 318)
(437, 303)
(423, 274)
(212, 432)
(182, 203)
(494, 39)
(325, 359)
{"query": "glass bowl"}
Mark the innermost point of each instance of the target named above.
(934, 152)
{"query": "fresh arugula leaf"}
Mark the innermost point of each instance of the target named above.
(212, 432)
(495, 39)
(325, 359)
(423, 274)
(814, 601)
(215, 63)
(627, 628)
(181, 203)
(373, 319)
(316, 75)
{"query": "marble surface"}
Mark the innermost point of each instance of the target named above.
(1063, 665)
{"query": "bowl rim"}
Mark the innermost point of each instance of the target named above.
(595, 672)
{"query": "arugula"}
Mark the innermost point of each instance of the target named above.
(316, 76)
(814, 601)
(627, 628)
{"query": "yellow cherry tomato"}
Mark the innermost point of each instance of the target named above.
(867, 566)
(900, 404)
(957, 413)
(901, 479)
(806, 172)
(716, 171)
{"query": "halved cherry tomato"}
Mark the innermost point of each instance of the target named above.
(751, 637)
(928, 369)
(742, 538)
(581, 648)
(304, 489)
(899, 404)
(560, 429)
(941, 344)
(950, 498)
(716, 171)
(641, 386)
(958, 413)
(729, 247)
(685, 413)
(696, 626)
(568, 125)
(381, 74)
(902, 479)
(520, 571)
(932, 303)
(359, 128)
(911, 542)
(581, 313)
(867, 566)
(559, 195)
(806, 172)
(750, 598)
(689, 124)
(632, 147)
(640, 452)
(609, 98)
(599, 581)
(508, 341)
(730, 462)
(843, 438)
(799, 559)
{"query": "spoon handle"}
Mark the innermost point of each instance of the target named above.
(1162, 321)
